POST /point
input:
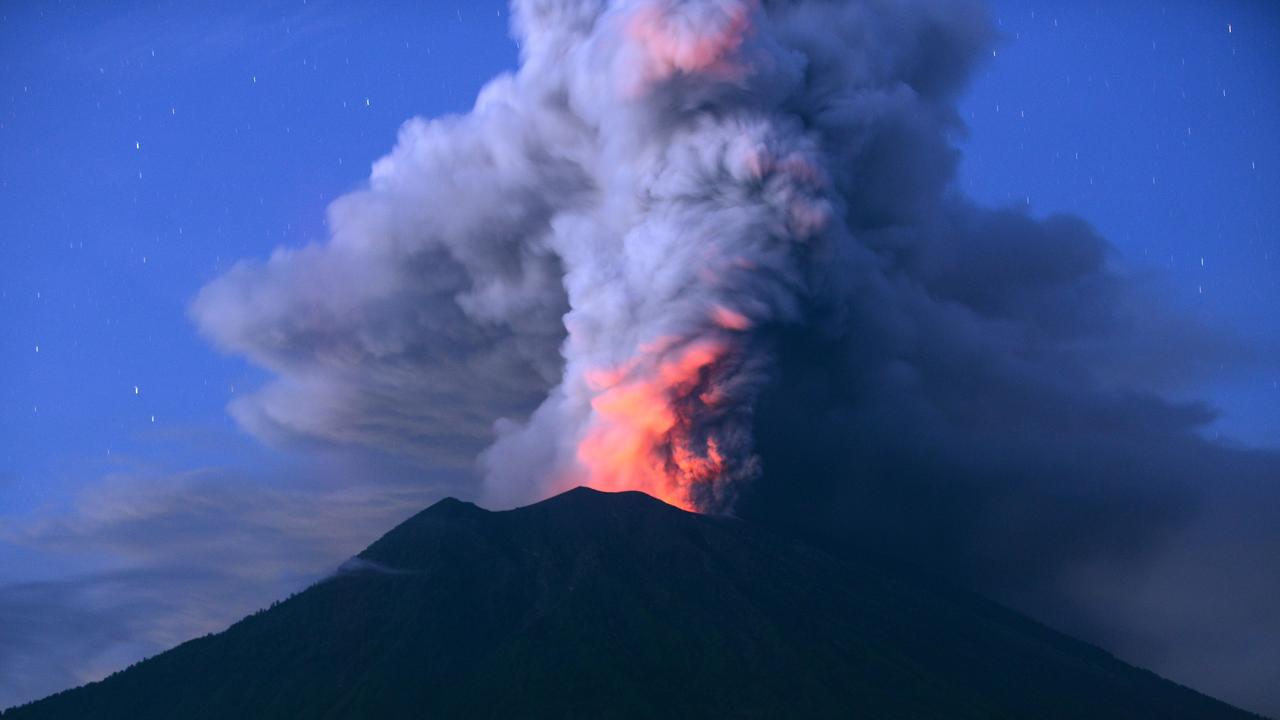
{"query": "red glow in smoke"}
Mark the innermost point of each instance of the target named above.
(673, 47)
(648, 431)
(643, 438)
(730, 319)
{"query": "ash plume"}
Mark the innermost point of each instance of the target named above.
(712, 250)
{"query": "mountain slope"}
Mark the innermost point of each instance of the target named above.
(600, 605)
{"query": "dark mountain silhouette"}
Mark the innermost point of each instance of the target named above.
(593, 605)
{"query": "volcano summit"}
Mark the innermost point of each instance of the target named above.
(600, 605)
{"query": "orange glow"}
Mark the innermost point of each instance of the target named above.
(673, 48)
(730, 319)
(649, 429)
(643, 437)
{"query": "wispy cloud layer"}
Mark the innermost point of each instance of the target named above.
(175, 556)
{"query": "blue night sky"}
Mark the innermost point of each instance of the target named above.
(146, 148)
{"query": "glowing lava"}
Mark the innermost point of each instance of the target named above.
(644, 437)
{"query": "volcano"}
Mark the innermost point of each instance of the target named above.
(616, 605)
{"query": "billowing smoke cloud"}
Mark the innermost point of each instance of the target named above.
(660, 186)
(711, 249)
